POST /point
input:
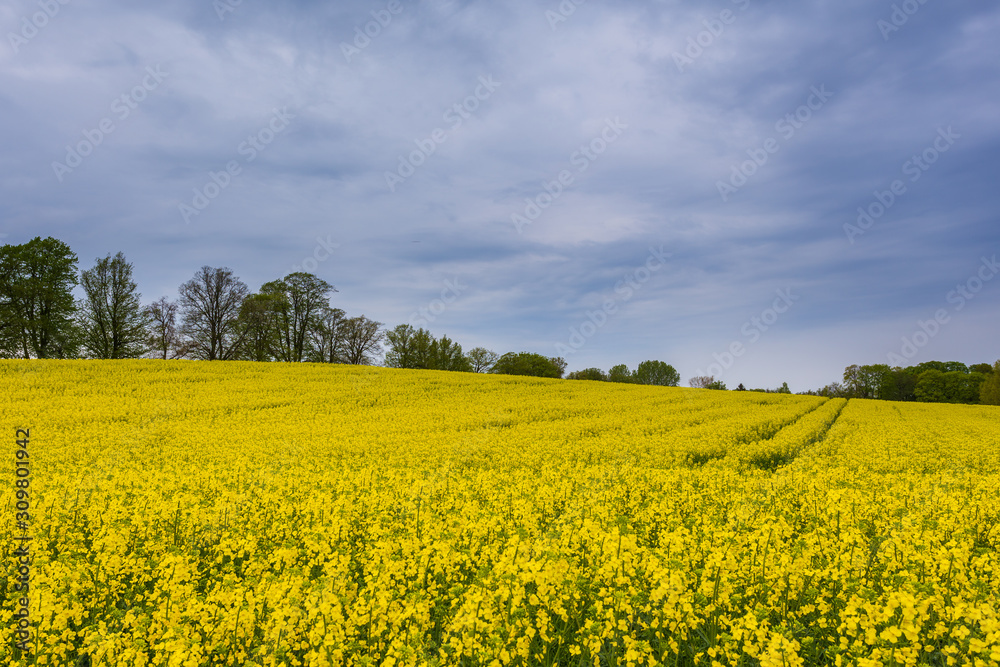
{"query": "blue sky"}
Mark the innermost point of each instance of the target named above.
(611, 182)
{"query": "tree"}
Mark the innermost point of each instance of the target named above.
(943, 366)
(258, 326)
(400, 344)
(701, 381)
(833, 390)
(657, 373)
(620, 373)
(527, 363)
(865, 381)
(971, 389)
(162, 338)
(989, 390)
(985, 369)
(481, 359)
(414, 348)
(935, 386)
(446, 355)
(299, 298)
(588, 374)
(931, 387)
(328, 336)
(740, 387)
(210, 305)
(362, 340)
(36, 300)
(716, 384)
(898, 385)
(111, 318)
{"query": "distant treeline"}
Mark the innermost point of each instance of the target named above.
(218, 317)
(929, 382)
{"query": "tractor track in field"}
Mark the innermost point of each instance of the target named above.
(771, 461)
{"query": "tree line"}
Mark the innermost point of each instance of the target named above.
(928, 382)
(218, 317)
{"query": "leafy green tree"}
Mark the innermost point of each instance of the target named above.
(974, 381)
(111, 318)
(865, 381)
(898, 385)
(595, 374)
(303, 296)
(985, 369)
(943, 366)
(417, 348)
(620, 373)
(36, 300)
(447, 355)
(989, 390)
(931, 387)
(481, 359)
(400, 352)
(259, 326)
(657, 373)
(210, 305)
(934, 386)
(327, 336)
(716, 384)
(527, 363)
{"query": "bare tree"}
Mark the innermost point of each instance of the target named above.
(482, 360)
(362, 340)
(162, 336)
(701, 381)
(210, 309)
(112, 321)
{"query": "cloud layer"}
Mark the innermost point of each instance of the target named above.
(539, 154)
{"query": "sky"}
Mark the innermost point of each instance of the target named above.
(765, 192)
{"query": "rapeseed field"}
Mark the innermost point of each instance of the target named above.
(231, 513)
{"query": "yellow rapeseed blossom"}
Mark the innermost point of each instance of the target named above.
(189, 513)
